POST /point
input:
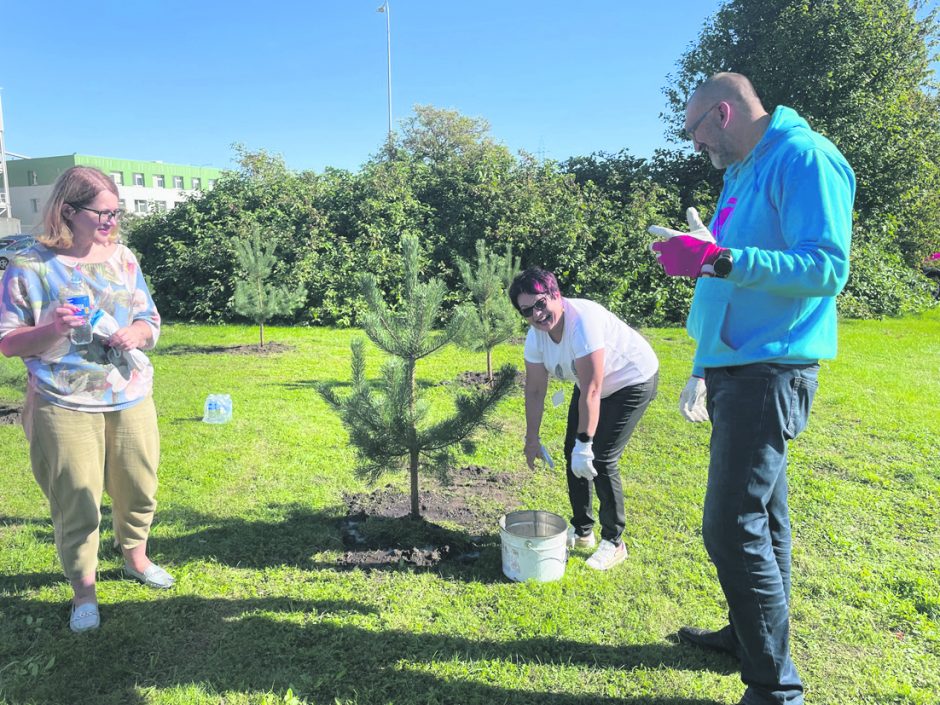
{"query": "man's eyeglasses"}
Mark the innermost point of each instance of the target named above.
(539, 305)
(103, 216)
(690, 131)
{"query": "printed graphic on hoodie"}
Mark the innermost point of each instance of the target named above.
(723, 216)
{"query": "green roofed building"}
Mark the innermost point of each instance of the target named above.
(143, 187)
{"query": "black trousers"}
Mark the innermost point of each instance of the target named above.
(620, 412)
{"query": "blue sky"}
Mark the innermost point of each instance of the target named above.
(181, 81)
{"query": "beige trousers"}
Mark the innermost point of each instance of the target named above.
(75, 456)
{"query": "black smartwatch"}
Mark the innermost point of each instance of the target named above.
(583, 437)
(723, 264)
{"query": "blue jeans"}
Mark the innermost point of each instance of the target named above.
(619, 414)
(755, 410)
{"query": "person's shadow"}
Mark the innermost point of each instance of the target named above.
(254, 646)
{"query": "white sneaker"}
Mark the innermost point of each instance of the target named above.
(607, 555)
(575, 541)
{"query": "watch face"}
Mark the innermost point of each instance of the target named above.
(723, 264)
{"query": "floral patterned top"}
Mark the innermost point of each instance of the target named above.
(74, 376)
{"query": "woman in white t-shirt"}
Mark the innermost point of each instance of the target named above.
(615, 374)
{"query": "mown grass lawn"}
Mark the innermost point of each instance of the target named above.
(263, 612)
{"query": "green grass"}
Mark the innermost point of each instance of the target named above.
(263, 613)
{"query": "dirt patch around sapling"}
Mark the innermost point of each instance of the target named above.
(10, 415)
(457, 519)
(479, 379)
(268, 349)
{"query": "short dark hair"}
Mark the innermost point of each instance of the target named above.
(533, 280)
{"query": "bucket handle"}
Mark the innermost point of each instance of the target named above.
(533, 547)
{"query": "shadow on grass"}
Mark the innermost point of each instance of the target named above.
(29, 581)
(257, 645)
(24, 521)
(296, 540)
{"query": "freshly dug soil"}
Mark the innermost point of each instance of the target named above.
(478, 379)
(10, 415)
(379, 532)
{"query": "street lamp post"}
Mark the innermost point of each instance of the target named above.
(388, 42)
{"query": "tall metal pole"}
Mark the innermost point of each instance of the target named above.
(5, 207)
(388, 42)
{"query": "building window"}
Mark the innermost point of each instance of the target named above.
(138, 179)
(159, 181)
(178, 182)
(159, 206)
(121, 204)
(117, 177)
(33, 178)
(211, 183)
(140, 206)
(34, 202)
(197, 183)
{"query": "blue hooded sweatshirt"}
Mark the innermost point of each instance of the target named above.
(785, 212)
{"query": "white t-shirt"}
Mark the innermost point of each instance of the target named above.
(588, 326)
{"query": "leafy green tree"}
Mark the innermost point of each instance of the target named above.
(389, 426)
(437, 136)
(860, 72)
(256, 297)
(615, 174)
(491, 317)
(459, 174)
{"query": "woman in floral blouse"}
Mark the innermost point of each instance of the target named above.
(89, 413)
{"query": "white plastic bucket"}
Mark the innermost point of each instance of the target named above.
(535, 545)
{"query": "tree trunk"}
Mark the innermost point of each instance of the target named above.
(489, 366)
(413, 465)
(261, 325)
(415, 503)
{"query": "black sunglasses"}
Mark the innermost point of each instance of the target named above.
(539, 305)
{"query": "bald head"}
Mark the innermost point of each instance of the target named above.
(731, 87)
(725, 117)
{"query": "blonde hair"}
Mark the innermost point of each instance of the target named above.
(75, 187)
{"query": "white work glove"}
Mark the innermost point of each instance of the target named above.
(692, 400)
(582, 461)
(697, 228)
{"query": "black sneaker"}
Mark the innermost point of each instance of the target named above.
(724, 640)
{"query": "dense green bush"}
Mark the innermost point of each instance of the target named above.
(189, 252)
(449, 192)
(882, 284)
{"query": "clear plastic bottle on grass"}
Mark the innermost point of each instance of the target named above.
(218, 408)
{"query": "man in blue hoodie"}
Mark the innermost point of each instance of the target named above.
(768, 269)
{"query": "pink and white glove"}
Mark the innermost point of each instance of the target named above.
(685, 254)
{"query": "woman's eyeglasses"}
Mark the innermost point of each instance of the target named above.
(103, 216)
(539, 305)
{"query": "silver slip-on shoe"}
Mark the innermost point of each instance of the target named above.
(153, 576)
(84, 617)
